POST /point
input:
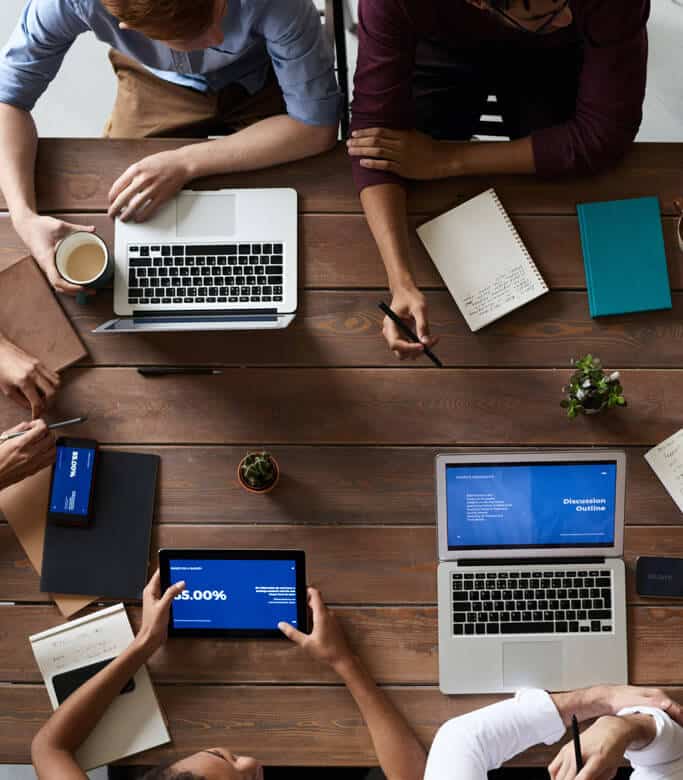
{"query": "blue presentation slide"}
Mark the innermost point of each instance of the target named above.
(531, 505)
(71, 483)
(233, 594)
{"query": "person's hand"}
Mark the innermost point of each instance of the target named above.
(327, 642)
(618, 697)
(407, 153)
(141, 190)
(602, 747)
(26, 455)
(409, 304)
(156, 609)
(41, 234)
(25, 380)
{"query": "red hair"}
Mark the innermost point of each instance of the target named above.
(164, 19)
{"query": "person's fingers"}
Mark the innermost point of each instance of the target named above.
(171, 592)
(592, 769)
(121, 183)
(72, 227)
(292, 633)
(380, 165)
(556, 763)
(136, 203)
(316, 602)
(373, 132)
(29, 389)
(672, 708)
(119, 207)
(383, 152)
(45, 387)
(36, 430)
(52, 376)
(23, 426)
(421, 323)
(153, 587)
(407, 348)
(150, 208)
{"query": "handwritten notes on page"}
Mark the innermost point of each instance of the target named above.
(666, 460)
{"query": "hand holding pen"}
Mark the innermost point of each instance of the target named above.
(415, 345)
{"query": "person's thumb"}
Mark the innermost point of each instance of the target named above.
(421, 323)
(71, 227)
(171, 592)
(291, 633)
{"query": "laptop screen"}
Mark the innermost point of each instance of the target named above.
(531, 505)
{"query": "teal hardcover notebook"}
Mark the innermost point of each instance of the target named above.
(624, 257)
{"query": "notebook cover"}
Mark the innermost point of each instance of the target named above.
(32, 318)
(624, 256)
(110, 556)
(24, 507)
(482, 259)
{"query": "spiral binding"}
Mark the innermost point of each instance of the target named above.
(518, 238)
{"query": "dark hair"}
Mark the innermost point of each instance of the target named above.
(164, 20)
(167, 772)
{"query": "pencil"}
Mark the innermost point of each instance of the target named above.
(408, 333)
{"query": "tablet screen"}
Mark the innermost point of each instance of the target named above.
(235, 594)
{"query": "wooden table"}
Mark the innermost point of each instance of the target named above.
(355, 434)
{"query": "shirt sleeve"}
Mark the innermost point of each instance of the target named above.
(303, 61)
(666, 747)
(35, 51)
(468, 747)
(383, 85)
(611, 91)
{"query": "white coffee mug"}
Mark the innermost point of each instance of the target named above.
(83, 259)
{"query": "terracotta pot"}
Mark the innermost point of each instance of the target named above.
(249, 488)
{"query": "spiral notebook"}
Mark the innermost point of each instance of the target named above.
(482, 259)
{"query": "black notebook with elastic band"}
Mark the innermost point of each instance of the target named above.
(110, 556)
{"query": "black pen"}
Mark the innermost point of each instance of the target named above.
(406, 331)
(168, 370)
(577, 744)
(50, 427)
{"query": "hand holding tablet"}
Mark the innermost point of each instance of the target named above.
(235, 593)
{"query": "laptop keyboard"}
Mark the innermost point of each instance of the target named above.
(532, 602)
(201, 273)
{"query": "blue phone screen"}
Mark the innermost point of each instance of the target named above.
(73, 475)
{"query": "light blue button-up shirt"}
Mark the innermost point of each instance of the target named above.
(287, 33)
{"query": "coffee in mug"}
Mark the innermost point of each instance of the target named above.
(83, 259)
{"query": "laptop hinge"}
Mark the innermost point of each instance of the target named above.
(528, 561)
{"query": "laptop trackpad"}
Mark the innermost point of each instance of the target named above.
(532, 665)
(200, 214)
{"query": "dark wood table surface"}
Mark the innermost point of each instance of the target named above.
(355, 433)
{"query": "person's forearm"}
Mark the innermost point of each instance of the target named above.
(18, 146)
(399, 751)
(484, 158)
(386, 212)
(272, 141)
(72, 722)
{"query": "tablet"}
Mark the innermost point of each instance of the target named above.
(237, 593)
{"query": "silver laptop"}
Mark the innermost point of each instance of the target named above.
(531, 582)
(221, 260)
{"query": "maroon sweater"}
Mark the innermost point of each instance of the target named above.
(611, 85)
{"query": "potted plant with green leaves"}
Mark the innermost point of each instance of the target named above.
(591, 390)
(258, 472)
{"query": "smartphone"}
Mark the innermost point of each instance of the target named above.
(73, 482)
(66, 683)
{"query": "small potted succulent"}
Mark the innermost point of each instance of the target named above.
(590, 390)
(258, 472)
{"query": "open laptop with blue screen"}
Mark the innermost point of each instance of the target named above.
(531, 584)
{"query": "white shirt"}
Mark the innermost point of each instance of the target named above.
(466, 748)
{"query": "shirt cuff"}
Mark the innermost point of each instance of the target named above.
(545, 721)
(665, 747)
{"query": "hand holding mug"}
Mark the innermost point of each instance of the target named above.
(83, 261)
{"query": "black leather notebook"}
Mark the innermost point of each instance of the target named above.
(110, 556)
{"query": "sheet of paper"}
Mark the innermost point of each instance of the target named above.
(666, 460)
(133, 722)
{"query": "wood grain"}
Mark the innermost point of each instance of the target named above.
(404, 405)
(76, 175)
(337, 250)
(288, 725)
(398, 644)
(357, 565)
(344, 329)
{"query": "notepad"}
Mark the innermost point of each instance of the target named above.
(624, 257)
(482, 260)
(133, 722)
(666, 460)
